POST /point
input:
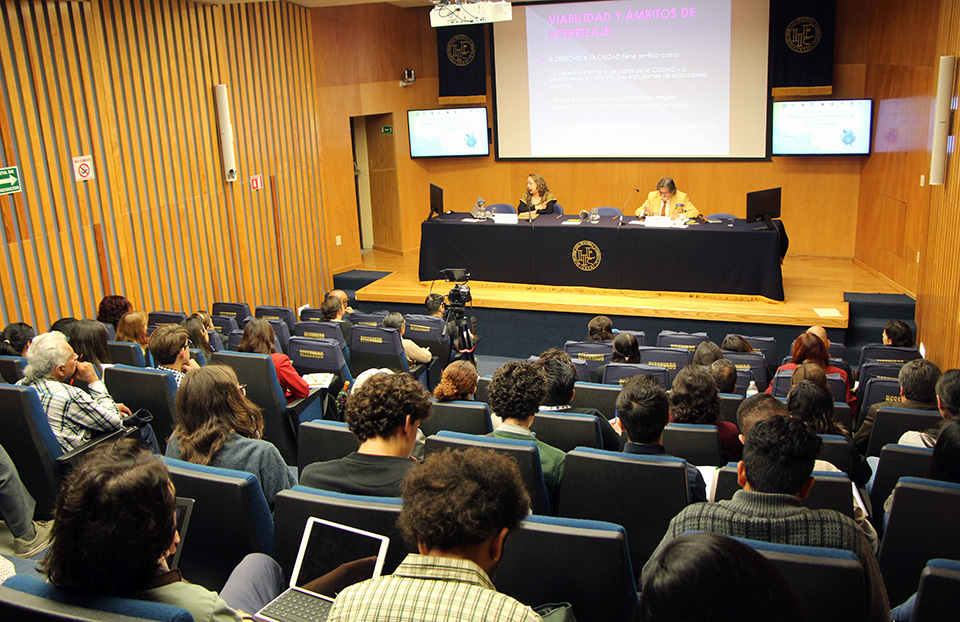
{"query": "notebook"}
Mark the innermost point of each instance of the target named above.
(182, 516)
(325, 546)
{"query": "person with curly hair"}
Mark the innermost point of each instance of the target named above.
(115, 527)
(112, 308)
(217, 425)
(515, 394)
(459, 382)
(458, 508)
(537, 198)
(695, 399)
(384, 413)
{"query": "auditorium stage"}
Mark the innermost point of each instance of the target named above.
(813, 289)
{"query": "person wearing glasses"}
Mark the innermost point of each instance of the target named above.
(170, 347)
(666, 200)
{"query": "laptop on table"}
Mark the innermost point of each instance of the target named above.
(331, 557)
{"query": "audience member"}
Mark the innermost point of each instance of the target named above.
(724, 373)
(736, 343)
(600, 328)
(258, 338)
(384, 413)
(897, 334)
(810, 348)
(112, 308)
(695, 400)
(705, 576)
(776, 477)
(413, 352)
(918, 391)
(561, 378)
(170, 348)
(644, 410)
(813, 404)
(821, 332)
(197, 333)
(16, 510)
(344, 300)
(757, 408)
(515, 394)
(459, 382)
(706, 353)
(948, 402)
(64, 325)
(435, 305)
(626, 348)
(218, 426)
(458, 508)
(115, 527)
(809, 371)
(74, 415)
(16, 339)
(332, 309)
(89, 341)
(132, 328)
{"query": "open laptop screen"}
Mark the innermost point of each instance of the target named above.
(328, 545)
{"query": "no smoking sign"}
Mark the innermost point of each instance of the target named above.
(83, 168)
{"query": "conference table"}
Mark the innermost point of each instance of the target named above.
(713, 258)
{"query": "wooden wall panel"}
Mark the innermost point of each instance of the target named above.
(131, 84)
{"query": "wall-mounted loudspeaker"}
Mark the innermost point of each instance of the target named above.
(941, 120)
(226, 132)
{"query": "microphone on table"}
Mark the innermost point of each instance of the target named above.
(584, 214)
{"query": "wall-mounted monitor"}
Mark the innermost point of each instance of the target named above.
(822, 127)
(448, 132)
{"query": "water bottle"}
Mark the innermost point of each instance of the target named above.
(752, 389)
(594, 215)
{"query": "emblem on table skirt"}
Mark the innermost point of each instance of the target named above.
(586, 255)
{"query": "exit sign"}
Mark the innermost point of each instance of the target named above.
(386, 129)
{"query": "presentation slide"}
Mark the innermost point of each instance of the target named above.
(448, 132)
(840, 127)
(632, 79)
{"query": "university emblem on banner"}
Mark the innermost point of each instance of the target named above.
(461, 50)
(586, 255)
(803, 34)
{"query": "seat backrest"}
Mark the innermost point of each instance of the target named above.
(890, 423)
(237, 310)
(11, 368)
(593, 353)
(308, 314)
(566, 431)
(319, 330)
(938, 597)
(595, 484)
(458, 416)
(781, 382)
(671, 359)
(831, 490)
(503, 208)
(320, 441)
(888, 354)
(729, 403)
(524, 452)
(896, 461)
(224, 325)
(607, 210)
(198, 355)
(744, 378)
(838, 387)
(152, 389)
(618, 373)
(126, 353)
(367, 318)
(843, 415)
(886, 390)
(426, 327)
(754, 361)
(603, 397)
(829, 582)
(583, 562)
(31, 444)
(870, 370)
(639, 334)
(317, 355)
(680, 340)
(837, 351)
(764, 345)
(263, 388)
(914, 533)
(294, 507)
(482, 383)
(230, 519)
(836, 450)
(583, 370)
(695, 443)
(158, 318)
(376, 346)
(284, 314)
(25, 598)
(281, 334)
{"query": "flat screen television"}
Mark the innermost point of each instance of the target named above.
(436, 201)
(764, 205)
(448, 132)
(822, 127)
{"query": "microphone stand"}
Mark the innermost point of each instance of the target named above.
(625, 204)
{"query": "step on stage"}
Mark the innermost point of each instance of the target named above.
(813, 289)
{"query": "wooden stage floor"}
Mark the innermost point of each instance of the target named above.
(813, 288)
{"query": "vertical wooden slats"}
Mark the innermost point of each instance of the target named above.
(131, 83)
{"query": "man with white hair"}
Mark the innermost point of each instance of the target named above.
(74, 415)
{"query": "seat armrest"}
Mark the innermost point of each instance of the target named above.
(300, 405)
(68, 461)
